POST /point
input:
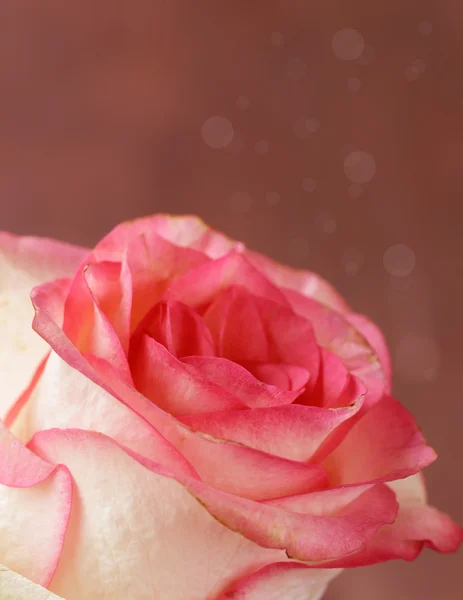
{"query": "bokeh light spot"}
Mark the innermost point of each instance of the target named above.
(355, 190)
(297, 69)
(309, 184)
(272, 198)
(241, 202)
(418, 358)
(359, 166)
(352, 261)
(261, 147)
(354, 84)
(217, 132)
(348, 44)
(277, 38)
(399, 260)
(326, 222)
(243, 102)
(425, 28)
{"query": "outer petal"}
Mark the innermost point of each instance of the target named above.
(131, 528)
(288, 581)
(305, 282)
(335, 333)
(417, 526)
(35, 504)
(78, 402)
(182, 230)
(200, 286)
(24, 263)
(150, 508)
(15, 587)
(385, 444)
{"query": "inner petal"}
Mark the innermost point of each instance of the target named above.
(179, 328)
(286, 377)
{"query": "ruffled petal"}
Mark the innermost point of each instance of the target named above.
(35, 502)
(288, 580)
(237, 380)
(248, 328)
(336, 334)
(294, 431)
(200, 286)
(24, 263)
(177, 327)
(385, 444)
(173, 385)
(304, 282)
(141, 525)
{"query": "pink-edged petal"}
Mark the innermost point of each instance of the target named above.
(221, 463)
(14, 587)
(336, 334)
(141, 525)
(242, 384)
(142, 426)
(377, 341)
(385, 444)
(182, 230)
(417, 526)
(286, 377)
(79, 402)
(40, 493)
(105, 281)
(284, 580)
(87, 325)
(175, 386)
(149, 266)
(151, 509)
(177, 327)
(24, 263)
(251, 328)
(294, 431)
(200, 286)
(304, 282)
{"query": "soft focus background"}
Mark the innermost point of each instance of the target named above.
(324, 133)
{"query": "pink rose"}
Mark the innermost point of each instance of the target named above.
(209, 424)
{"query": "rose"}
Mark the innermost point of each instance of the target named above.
(209, 424)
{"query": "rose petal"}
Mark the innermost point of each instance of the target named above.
(237, 380)
(294, 431)
(24, 263)
(86, 324)
(306, 536)
(14, 586)
(173, 385)
(250, 328)
(417, 526)
(35, 501)
(141, 525)
(186, 231)
(305, 282)
(179, 328)
(335, 333)
(200, 286)
(79, 402)
(290, 580)
(385, 444)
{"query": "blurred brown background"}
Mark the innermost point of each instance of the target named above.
(324, 133)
